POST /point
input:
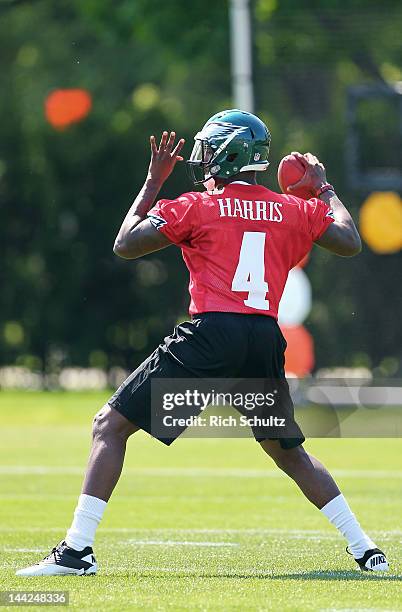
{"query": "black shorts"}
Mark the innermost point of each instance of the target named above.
(211, 345)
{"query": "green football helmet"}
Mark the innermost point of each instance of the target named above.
(230, 142)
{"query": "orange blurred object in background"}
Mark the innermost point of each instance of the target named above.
(66, 106)
(299, 354)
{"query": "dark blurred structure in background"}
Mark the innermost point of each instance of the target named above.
(147, 66)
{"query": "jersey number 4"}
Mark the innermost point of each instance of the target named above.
(250, 271)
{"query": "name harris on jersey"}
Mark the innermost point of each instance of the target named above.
(255, 210)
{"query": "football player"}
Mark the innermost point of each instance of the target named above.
(239, 240)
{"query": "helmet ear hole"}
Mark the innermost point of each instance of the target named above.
(231, 157)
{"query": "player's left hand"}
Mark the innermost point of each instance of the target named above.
(164, 157)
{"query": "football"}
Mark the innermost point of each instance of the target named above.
(290, 171)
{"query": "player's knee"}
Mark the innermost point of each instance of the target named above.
(110, 423)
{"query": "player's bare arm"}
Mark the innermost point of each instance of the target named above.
(342, 236)
(137, 236)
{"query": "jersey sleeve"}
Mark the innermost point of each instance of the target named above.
(176, 219)
(319, 217)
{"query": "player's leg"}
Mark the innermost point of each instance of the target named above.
(74, 555)
(287, 451)
(319, 487)
(111, 430)
(110, 433)
(309, 474)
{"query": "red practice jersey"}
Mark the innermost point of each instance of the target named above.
(239, 243)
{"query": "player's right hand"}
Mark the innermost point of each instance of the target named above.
(314, 177)
(164, 157)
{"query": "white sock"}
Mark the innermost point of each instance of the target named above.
(87, 516)
(339, 514)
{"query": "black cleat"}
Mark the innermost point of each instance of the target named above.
(63, 561)
(373, 560)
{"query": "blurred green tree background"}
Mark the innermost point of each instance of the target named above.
(150, 65)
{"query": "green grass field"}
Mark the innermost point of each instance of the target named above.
(203, 525)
